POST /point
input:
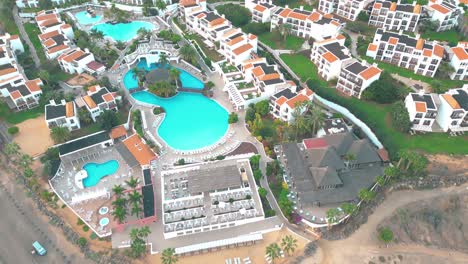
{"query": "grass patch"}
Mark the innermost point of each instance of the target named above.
(303, 67)
(18, 117)
(275, 42)
(212, 54)
(7, 22)
(452, 36)
(33, 33)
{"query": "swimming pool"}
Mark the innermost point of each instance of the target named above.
(187, 80)
(122, 31)
(192, 120)
(97, 171)
(85, 19)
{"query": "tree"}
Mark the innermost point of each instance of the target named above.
(120, 45)
(120, 214)
(60, 134)
(257, 125)
(348, 208)
(332, 215)
(44, 75)
(174, 73)
(366, 195)
(428, 26)
(84, 116)
(262, 192)
(289, 244)
(385, 90)
(380, 180)
(139, 74)
(96, 34)
(299, 123)
(315, 118)
(163, 89)
(392, 172)
(400, 117)
(444, 71)
(273, 251)
(132, 182)
(163, 59)
(250, 114)
(350, 158)
(168, 256)
(25, 161)
(108, 119)
(188, 53)
(46, 4)
(209, 85)
(138, 241)
(13, 130)
(118, 190)
(285, 30)
(28, 172)
(238, 15)
(386, 235)
(12, 149)
(136, 209)
(363, 16)
(233, 118)
(262, 108)
(160, 4)
(256, 28)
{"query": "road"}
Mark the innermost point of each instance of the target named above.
(25, 37)
(21, 224)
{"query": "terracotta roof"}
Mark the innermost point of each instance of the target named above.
(93, 88)
(427, 52)
(417, 9)
(296, 15)
(73, 56)
(201, 15)
(49, 42)
(65, 26)
(118, 132)
(328, 56)
(460, 53)
(89, 101)
(57, 48)
(7, 71)
(439, 51)
(340, 36)
(46, 17)
(258, 71)
(49, 22)
(14, 37)
(285, 12)
(370, 72)
(260, 8)
(440, 8)
(49, 34)
(378, 5)
(252, 36)
(383, 154)
(372, 47)
(217, 21)
(69, 109)
(187, 2)
(142, 153)
(335, 23)
(393, 6)
(420, 107)
(329, 16)
(296, 99)
(108, 97)
(393, 40)
(15, 94)
(451, 101)
(270, 76)
(308, 91)
(314, 16)
(33, 85)
(281, 100)
(235, 40)
(242, 49)
(310, 143)
(420, 44)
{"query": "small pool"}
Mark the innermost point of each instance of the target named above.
(84, 18)
(97, 171)
(123, 31)
(187, 80)
(104, 221)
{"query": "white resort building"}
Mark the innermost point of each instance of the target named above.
(422, 109)
(209, 196)
(98, 100)
(453, 110)
(459, 61)
(348, 9)
(79, 61)
(356, 77)
(445, 14)
(262, 10)
(330, 55)
(395, 16)
(284, 103)
(63, 114)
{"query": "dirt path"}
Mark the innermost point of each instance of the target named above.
(364, 243)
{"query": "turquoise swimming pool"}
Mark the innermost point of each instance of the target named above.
(122, 31)
(187, 80)
(86, 19)
(97, 171)
(192, 120)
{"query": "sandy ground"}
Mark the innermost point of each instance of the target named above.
(255, 252)
(34, 136)
(81, 80)
(364, 247)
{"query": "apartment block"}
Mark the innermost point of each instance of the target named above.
(422, 109)
(209, 25)
(356, 77)
(348, 9)
(56, 35)
(63, 114)
(453, 110)
(447, 15)
(97, 100)
(330, 55)
(395, 16)
(11, 42)
(35, 3)
(413, 53)
(187, 7)
(307, 24)
(459, 61)
(78, 61)
(261, 10)
(284, 103)
(237, 46)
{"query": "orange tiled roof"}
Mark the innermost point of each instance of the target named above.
(14, 37)
(296, 99)
(439, 51)
(187, 2)
(451, 101)
(297, 16)
(258, 71)
(260, 8)
(440, 8)
(370, 72)
(329, 16)
(420, 44)
(393, 6)
(372, 47)
(281, 100)
(252, 36)
(235, 40)
(378, 5)
(108, 97)
(49, 22)
(49, 34)
(49, 42)
(270, 76)
(217, 21)
(340, 36)
(427, 52)
(15, 94)
(73, 56)
(89, 101)
(57, 48)
(7, 71)
(420, 107)
(460, 53)
(242, 49)
(142, 153)
(328, 56)
(393, 40)
(46, 17)
(314, 16)
(93, 88)
(417, 9)
(118, 131)
(69, 109)
(33, 85)
(285, 12)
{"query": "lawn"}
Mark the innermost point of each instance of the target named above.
(276, 42)
(7, 22)
(33, 33)
(377, 116)
(18, 117)
(212, 54)
(451, 36)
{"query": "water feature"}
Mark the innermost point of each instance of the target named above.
(84, 18)
(122, 31)
(97, 171)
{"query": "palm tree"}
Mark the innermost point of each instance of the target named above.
(168, 256)
(161, 5)
(139, 74)
(132, 182)
(380, 180)
(164, 89)
(273, 251)
(163, 59)
(60, 134)
(366, 195)
(119, 202)
(315, 118)
(96, 34)
(350, 158)
(119, 214)
(118, 190)
(135, 198)
(12, 149)
(299, 123)
(332, 216)
(84, 116)
(348, 208)
(289, 244)
(136, 209)
(188, 53)
(25, 161)
(285, 30)
(175, 74)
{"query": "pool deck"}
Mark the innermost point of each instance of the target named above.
(64, 185)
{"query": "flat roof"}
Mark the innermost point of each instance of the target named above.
(83, 142)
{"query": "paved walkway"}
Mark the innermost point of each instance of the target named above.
(25, 37)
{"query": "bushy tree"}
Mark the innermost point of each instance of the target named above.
(108, 119)
(238, 15)
(262, 108)
(256, 28)
(386, 235)
(60, 134)
(400, 117)
(233, 118)
(385, 90)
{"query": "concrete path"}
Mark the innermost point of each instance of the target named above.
(354, 37)
(25, 37)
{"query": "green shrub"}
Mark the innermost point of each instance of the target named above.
(93, 236)
(233, 118)
(82, 242)
(85, 228)
(80, 222)
(13, 130)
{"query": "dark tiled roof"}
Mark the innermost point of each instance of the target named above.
(55, 111)
(356, 68)
(286, 93)
(427, 98)
(337, 50)
(97, 97)
(462, 99)
(147, 176)
(273, 81)
(148, 200)
(210, 16)
(83, 142)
